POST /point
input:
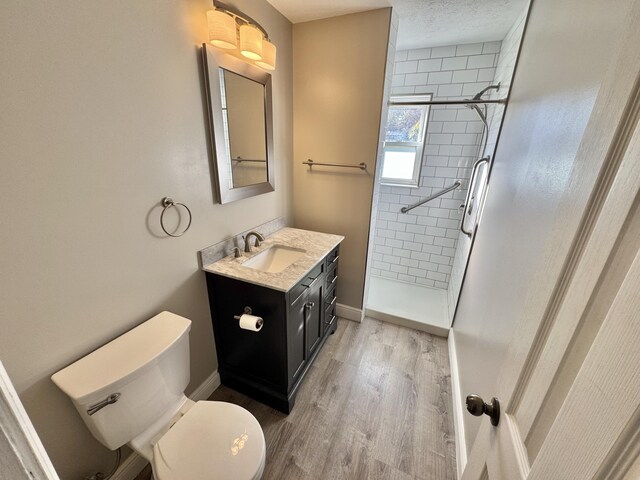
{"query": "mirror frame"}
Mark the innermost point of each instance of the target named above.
(213, 60)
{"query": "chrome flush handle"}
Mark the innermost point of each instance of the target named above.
(113, 398)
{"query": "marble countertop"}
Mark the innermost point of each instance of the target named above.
(316, 245)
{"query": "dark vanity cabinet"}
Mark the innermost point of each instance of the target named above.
(270, 364)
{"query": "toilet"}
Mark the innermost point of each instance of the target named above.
(131, 391)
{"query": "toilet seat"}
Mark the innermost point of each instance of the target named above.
(213, 440)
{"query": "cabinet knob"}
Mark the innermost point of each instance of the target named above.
(310, 304)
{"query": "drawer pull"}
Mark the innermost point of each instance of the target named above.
(313, 282)
(330, 321)
(332, 301)
(334, 280)
(335, 259)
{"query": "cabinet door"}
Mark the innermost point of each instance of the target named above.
(313, 317)
(296, 345)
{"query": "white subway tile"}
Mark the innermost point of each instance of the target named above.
(392, 275)
(419, 54)
(416, 272)
(440, 259)
(446, 269)
(398, 81)
(445, 242)
(439, 52)
(486, 75)
(435, 78)
(401, 55)
(444, 115)
(432, 249)
(424, 239)
(434, 127)
(383, 249)
(392, 259)
(481, 61)
(402, 90)
(450, 90)
(465, 76)
(454, 63)
(407, 278)
(418, 229)
(381, 265)
(404, 236)
(451, 150)
(446, 223)
(427, 282)
(402, 253)
(491, 47)
(434, 65)
(415, 79)
(406, 67)
(454, 127)
(409, 262)
(446, 172)
(429, 266)
(415, 255)
(469, 49)
(416, 247)
(440, 138)
(399, 269)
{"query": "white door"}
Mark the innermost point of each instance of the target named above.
(569, 386)
(22, 455)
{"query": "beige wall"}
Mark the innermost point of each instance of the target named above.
(339, 66)
(103, 114)
(560, 70)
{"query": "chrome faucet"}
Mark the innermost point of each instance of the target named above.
(247, 244)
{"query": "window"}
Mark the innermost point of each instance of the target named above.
(404, 141)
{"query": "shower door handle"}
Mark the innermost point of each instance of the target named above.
(469, 200)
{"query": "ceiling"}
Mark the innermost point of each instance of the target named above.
(423, 23)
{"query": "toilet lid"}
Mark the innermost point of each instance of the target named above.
(213, 440)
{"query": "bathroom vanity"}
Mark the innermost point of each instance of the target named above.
(290, 281)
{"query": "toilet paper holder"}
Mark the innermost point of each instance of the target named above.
(247, 311)
(258, 321)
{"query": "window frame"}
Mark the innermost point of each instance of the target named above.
(418, 145)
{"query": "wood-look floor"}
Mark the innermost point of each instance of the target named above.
(376, 404)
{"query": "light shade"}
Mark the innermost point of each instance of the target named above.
(251, 42)
(268, 61)
(222, 29)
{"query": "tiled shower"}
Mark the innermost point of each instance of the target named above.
(418, 248)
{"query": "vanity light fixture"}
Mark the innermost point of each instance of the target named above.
(230, 29)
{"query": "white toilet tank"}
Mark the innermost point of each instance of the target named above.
(148, 367)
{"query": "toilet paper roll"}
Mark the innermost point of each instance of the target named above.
(251, 322)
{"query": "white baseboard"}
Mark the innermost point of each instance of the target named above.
(130, 468)
(458, 406)
(206, 388)
(134, 463)
(350, 313)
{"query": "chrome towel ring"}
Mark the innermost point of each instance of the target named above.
(168, 203)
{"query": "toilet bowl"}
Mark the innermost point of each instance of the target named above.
(131, 391)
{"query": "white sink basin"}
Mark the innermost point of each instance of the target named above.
(274, 259)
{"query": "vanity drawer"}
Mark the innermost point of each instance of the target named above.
(331, 298)
(332, 259)
(332, 279)
(329, 317)
(309, 280)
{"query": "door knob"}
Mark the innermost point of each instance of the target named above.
(476, 407)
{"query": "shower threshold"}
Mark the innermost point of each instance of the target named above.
(410, 305)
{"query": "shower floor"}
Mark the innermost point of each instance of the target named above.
(410, 305)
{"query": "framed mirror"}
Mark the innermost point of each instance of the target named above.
(241, 126)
